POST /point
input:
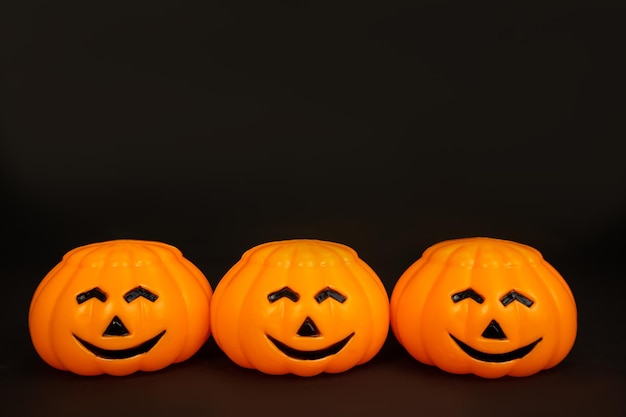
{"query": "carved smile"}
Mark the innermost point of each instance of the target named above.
(121, 353)
(310, 354)
(496, 357)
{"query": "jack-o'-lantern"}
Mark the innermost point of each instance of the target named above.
(302, 307)
(118, 307)
(485, 306)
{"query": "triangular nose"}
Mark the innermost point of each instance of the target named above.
(308, 329)
(494, 331)
(116, 328)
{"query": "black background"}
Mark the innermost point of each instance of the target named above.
(387, 126)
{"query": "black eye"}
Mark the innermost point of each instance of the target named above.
(283, 292)
(329, 292)
(468, 293)
(92, 293)
(140, 292)
(515, 296)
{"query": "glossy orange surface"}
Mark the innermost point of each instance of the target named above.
(118, 307)
(301, 307)
(484, 306)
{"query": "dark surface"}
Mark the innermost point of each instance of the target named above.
(387, 127)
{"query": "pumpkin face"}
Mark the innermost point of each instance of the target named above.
(301, 307)
(118, 307)
(484, 306)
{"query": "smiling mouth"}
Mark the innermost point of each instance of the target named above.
(497, 357)
(310, 354)
(121, 353)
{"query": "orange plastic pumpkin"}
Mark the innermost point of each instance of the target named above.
(484, 306)
(301, 307)
(118, 307)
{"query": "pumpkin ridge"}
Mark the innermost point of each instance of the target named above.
(370, 323)
(292, 273)
(222, 291)
(374, 348)
(410, 286)
(36, 299)
(475, 269)
(200, 280)
(88, 250)
(44, 283)
(559, 348)
(421, 324)
(249, 254)
(439, 282)
(253, 290)
(553, 310)
(227, 278)
(373, 275)
(185, 307)
(516, 281)
(428, 253)
(399, 291)
(53, 317)
(108, 248)
(518, 306)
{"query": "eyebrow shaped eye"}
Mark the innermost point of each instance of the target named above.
(515, 296)
(92, 293)
(283, 292)
(468, 293)
(140, 292)
(329, 292)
